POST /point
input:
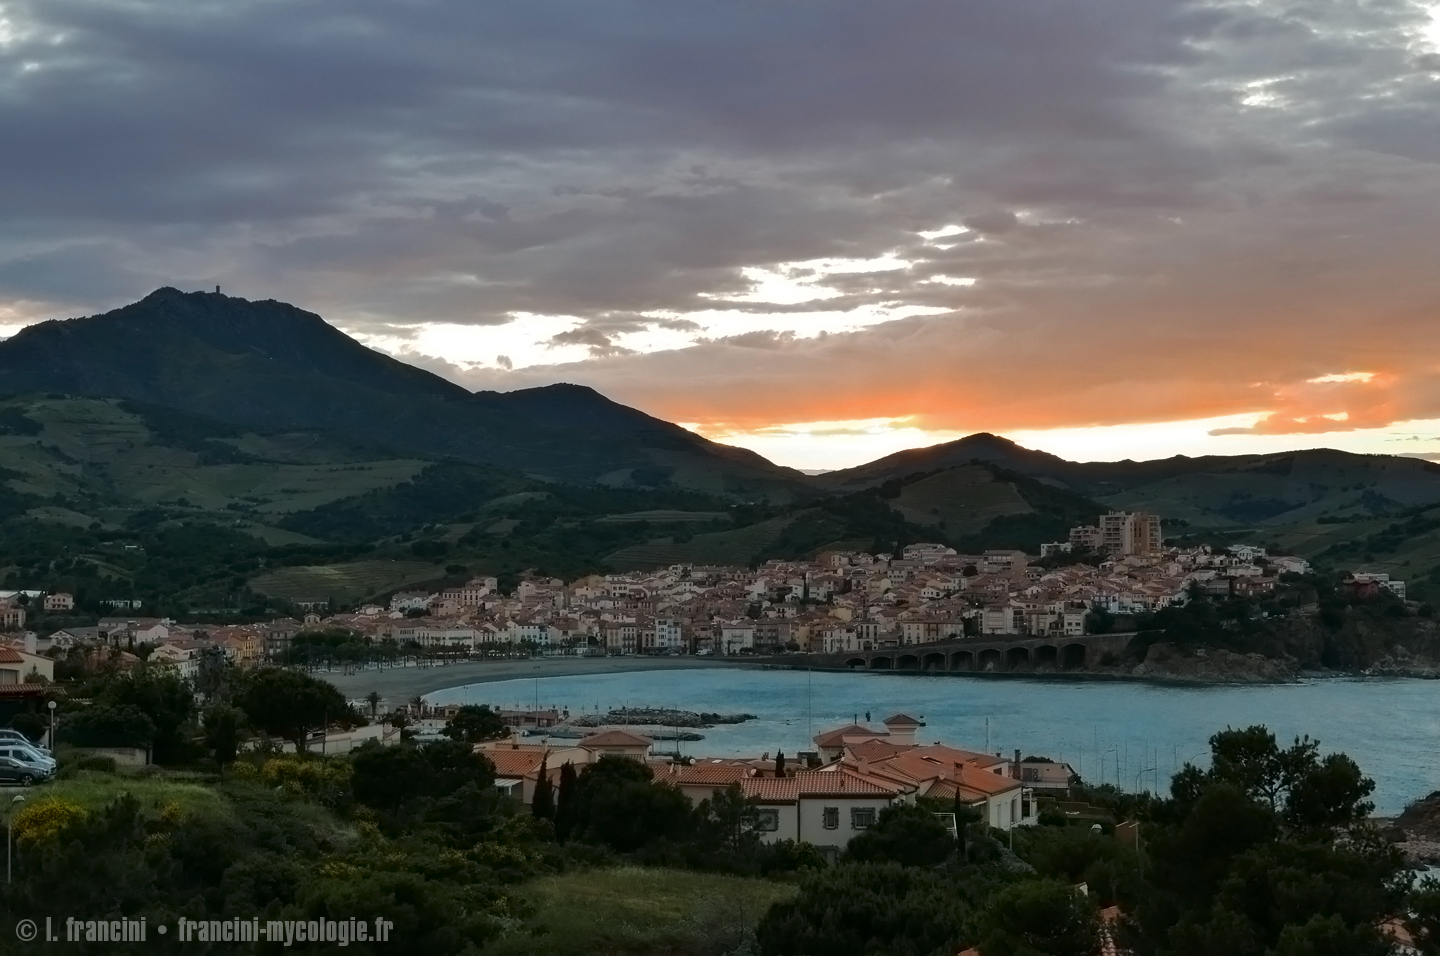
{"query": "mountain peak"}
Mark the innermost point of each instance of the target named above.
(270, 365)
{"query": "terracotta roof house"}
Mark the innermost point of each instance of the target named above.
(902, 727)
(979, 782)
(700, 780)
(517, 766)
(617, 743)
(832, 742)
(825, 807)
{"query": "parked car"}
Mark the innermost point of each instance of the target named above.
(11, 735)
(29, 756)
(13, 771)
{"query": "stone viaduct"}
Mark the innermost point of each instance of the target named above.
(993, 654)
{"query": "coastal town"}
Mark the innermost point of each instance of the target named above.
(837, 602)
(734, 479)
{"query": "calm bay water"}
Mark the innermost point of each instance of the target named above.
(1139, 732)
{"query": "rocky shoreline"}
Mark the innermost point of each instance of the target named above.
(1213, 666)
(1219, 666)
(1417, 831)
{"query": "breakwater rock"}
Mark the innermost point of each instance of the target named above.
(658, 717)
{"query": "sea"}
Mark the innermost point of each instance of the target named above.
(1134, 735)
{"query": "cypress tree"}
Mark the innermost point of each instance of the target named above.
(543, 804)
(565, 803)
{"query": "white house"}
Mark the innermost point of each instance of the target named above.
(826, 808)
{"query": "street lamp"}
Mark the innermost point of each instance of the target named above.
(9, 837)
(51, 705)
(1142, 773)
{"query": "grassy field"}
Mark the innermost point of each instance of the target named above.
(94, 790)
(345, 582)
(640, 910)
(716, 547)
(966, 499)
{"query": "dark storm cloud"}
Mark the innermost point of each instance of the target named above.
(1142, 180)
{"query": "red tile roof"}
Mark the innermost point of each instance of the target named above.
(772, 789)
(902, 720)
(707, 774)
(836, 738)
(820, 783)
(22, 690)
(8, 655)
(514, 763)
(877, 749)
(616, 738)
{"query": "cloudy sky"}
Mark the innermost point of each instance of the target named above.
(825, 231)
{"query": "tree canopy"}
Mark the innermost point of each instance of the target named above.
(473, 724)
(289, 704)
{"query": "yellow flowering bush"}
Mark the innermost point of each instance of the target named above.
(46, 819)
(340, 870)
(170, 812)
(315, 778)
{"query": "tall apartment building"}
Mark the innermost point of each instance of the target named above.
(1134, 532)
(1120, 533)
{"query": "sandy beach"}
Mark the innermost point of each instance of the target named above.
(401, 683)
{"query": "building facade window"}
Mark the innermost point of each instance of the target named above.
(862, 818)
(767, 821)
(830, 818)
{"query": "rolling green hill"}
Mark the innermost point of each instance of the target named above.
(737, 547)
(103, 456)
(960, 500)
(347, 583)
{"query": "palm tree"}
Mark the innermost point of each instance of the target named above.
(373, 699)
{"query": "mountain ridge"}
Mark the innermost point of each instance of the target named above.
(272, 366)
(268, 364)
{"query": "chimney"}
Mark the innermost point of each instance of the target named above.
(29, 642)
(1015, 767)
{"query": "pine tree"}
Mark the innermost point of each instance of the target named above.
(780, 764)
(565, 803)
(543, 804)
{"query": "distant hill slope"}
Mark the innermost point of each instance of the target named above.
(1237, 491)
(103, 458)
(982, 447)
(273, 366)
